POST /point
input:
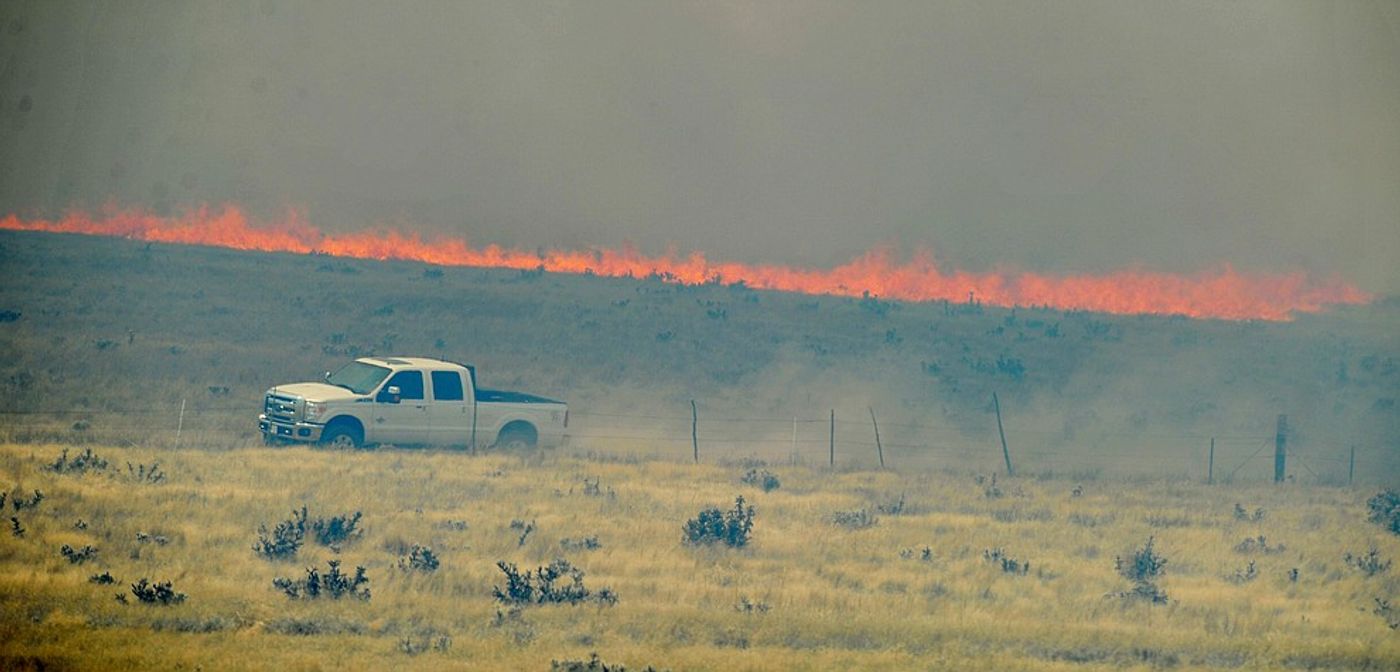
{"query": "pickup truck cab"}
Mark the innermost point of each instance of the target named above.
(409, 400)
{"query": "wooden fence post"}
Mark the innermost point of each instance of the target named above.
(1006, 453)
(879, 448)
(1351, 468)
(694, 434)
(832, 459)
(1280, 448)
(1210, 466)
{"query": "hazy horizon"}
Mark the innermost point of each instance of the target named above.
(1060, 138)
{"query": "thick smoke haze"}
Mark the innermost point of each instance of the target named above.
(1050, 137)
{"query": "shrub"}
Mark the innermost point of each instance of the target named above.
(20, 503)
(858, 519)
(430, 640)
(76, 556)
(1385, 510)
(1369, 563)
(924, 554)
(730, 527)
(1387, 612)
(420, 558)
(103, 579)
(15, 528)
(334, 584)
(547, 585)
(593, 664)
(336, 530)
(525, 530)
(156, 593)
(1145, 564)
(84, 462)
(286, 539)
(892, 509)
(761, 478)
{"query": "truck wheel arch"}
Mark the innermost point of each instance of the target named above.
(343, 424)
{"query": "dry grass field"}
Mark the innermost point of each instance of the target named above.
(842, 570)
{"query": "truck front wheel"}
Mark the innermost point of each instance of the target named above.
(343, 436)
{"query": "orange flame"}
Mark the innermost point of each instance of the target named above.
(1223, 294)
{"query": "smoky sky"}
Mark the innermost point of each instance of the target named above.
(1061, 137)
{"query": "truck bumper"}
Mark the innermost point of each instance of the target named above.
(301, 431)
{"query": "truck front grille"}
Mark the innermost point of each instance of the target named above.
(281, 408)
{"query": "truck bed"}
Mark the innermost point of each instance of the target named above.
(512, 397)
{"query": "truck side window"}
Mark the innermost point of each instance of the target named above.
(410, 384)
(447, 386)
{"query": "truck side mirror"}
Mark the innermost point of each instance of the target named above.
(390, 395)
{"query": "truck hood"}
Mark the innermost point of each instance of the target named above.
(317, 392)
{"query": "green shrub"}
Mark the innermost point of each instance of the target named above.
(732, 527)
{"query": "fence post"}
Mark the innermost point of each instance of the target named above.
(1280, 448)
(879, 448)
(1210, 466)
(1004, 451)
(832, 459)
(1351, 468)
(793, 457)
(180, 425)
(694, 433)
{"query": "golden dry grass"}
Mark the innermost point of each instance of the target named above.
(836, 598)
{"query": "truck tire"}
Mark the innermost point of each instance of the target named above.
(343, 436)
(517, 437)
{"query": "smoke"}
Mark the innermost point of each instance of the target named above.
(877, 274)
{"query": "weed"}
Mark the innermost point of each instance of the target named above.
(286, 539)
(15, 528)
(1240, 576)
(453, 525)
(334, 584)
(544, 585)
(990, 489)
(420, 558)
(1243, 514)
(761, 478)
(1369, 563)
(77, 556)
(858, 519)
(1008, 564)
(893, 508)
(747, 606)
(1387, 612)
(1385, 510)
(580, 544)
(525, 530)
(80, 524)
(84, 462)
(924, 554)
(156, 593)
(1259, 544)
(158, 539)
(103, 579)
(732, 528)
(141, 473)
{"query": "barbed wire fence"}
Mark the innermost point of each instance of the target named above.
(840, 438)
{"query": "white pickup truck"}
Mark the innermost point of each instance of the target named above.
(406, 401)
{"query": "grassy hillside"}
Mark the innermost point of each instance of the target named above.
(844, 570)
(103, 339)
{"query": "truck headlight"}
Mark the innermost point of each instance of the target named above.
(314, 410)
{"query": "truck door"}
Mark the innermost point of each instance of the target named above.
(405, 421)
(449, 413)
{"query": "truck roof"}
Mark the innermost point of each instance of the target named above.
(419, 362)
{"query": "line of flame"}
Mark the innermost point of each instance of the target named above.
(1222, 294)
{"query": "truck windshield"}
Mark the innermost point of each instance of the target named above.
(358, 377)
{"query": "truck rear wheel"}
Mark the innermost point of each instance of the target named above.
(517, 437)
(343, 436)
